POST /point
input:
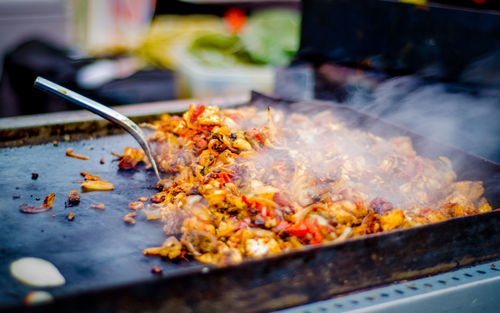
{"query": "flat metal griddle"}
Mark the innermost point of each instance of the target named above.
(101, 258)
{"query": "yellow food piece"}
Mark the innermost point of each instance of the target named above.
(97, 185)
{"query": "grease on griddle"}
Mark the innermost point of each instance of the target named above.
(46, 205)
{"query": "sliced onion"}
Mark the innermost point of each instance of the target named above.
(36, 272)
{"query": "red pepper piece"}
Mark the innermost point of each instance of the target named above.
(224, 178)
(315, 231)
(299, 230)
(244, 199)
(198, 110)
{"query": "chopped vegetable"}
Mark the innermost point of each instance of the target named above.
(69, 152)
(94, 183)
(97, 206)
(129, 218)
(136, 205)
(46, 205)
(97, 185)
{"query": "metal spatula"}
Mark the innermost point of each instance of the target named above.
(101, 110)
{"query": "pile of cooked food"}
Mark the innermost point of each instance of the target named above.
(248, 182)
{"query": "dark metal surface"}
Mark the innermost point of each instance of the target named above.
(443, 43)
(101, 258)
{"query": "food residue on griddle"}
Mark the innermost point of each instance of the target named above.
(71, 216)
(16, 196)
(46, 205)
(69, 152)
(95, 183)
(37, 297)
(73, 197)
(143, 199)
(129, 218)
(130, 158)
(97, 206)
(34, 176)
(136, 205)
(156, 270)
(101, 160)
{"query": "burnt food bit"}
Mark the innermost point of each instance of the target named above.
(34, 176)
(73, 197)
(156, 270)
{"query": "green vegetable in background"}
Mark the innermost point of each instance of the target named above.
(220, 50)
(269, 37)
(272, 36)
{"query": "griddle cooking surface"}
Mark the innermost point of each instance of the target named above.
(95, 250)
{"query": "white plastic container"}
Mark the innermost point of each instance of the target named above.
(199, 80)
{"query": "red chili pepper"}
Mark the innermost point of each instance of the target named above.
(224, 178)
(357, 203)
(198, 110)
(299, 230)
(314, 230)
(244, 199)
(257, 135)
(427, 210)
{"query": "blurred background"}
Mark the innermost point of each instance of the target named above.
(130, 51)
(430, 66)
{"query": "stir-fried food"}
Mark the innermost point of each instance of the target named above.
(250, 183)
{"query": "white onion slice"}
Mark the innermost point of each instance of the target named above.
(36, 272)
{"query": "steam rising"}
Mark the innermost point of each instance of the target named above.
(317, 154)
(465, 119)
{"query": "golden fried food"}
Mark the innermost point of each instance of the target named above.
(248, 183)
(95, 183)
